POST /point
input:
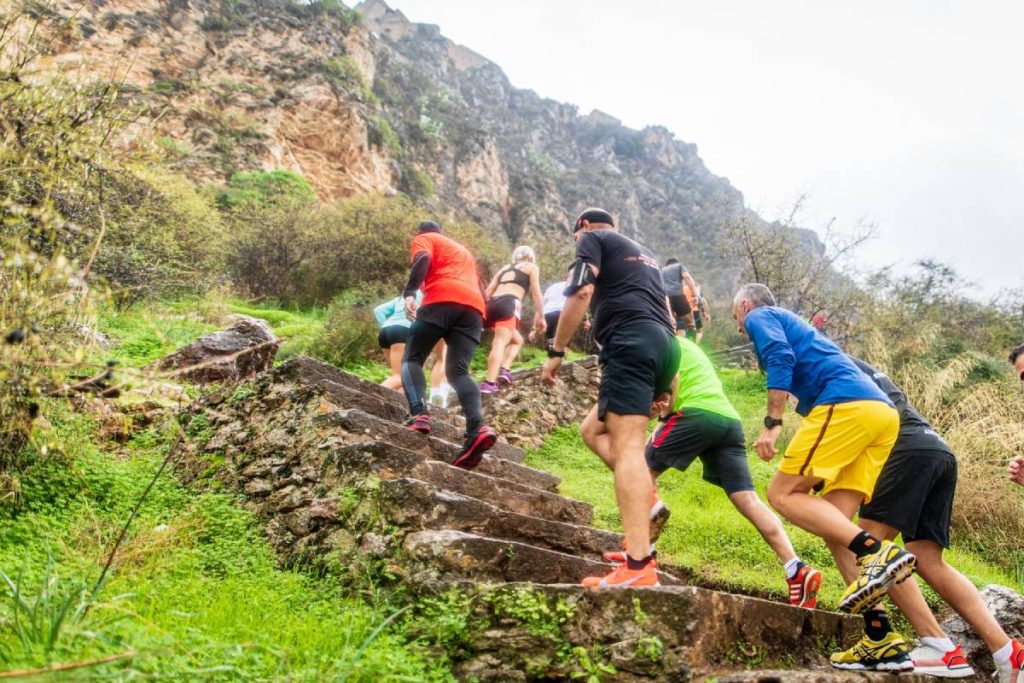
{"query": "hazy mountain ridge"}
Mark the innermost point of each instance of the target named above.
(375, 103)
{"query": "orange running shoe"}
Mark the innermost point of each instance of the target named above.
(803, 588)
(624, 577)
(659, 515)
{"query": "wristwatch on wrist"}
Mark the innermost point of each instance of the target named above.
(770, 422)
(555, 354)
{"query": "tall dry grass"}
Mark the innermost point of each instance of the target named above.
(981, 416)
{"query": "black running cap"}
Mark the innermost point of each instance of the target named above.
(593, 216)
(428, 226)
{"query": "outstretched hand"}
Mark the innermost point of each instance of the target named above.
(765, 444)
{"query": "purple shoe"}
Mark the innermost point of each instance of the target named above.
(489, 388)
(505, 377)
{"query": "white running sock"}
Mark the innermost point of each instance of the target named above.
(940, 644)
(792, 567)
(1002, 655)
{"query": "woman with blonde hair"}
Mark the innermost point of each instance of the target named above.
(504, 309)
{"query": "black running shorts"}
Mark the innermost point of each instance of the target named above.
(638, 362)
(452, 317)
(716, 439)
(391, 335)
(501, 308)
(914, 494)
(680, 306)
(551, 319)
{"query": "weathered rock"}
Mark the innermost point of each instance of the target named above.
(243, 350)
(1008, 608)
(668, 632)
(391, 462)
(418, 505)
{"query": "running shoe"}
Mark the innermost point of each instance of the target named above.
(1009, 672)
(888, 565)
(803, 588)
(888, 654)
(931, 661)
(505, 377)
(619, 556)
(624, 577)
(489, 388)
(474, 447)
(659, 515)
(419, 423)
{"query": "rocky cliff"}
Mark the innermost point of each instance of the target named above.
(366, 101)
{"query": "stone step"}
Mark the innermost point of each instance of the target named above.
(418, 505)
(458, 554)
(363, 426)
(346, 397)
(812, 676)
(310, 371)
(393, 462)
(671, 633)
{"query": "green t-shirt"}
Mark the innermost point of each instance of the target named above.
(699, 386)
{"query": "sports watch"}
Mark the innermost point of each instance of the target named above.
(770, 422)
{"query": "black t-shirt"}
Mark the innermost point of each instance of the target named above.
(628, 287)
(915, 432)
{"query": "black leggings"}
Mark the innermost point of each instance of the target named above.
(458, 334)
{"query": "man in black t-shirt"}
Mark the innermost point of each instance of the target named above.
(621, 283)
(914, 496)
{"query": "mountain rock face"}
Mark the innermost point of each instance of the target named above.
(367, 101)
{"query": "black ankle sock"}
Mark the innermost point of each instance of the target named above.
(863, 544)
(876, 624)
(637, 565)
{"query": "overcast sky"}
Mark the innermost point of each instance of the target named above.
(906, 113)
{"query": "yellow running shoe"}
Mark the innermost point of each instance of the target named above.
(888, 654)
(888, 565)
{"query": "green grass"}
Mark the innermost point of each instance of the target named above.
(705, 533)
(201, 597)
(150, 331)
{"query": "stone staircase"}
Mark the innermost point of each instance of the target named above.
(324, 458)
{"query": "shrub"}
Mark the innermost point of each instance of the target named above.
(273, 248)
(418, 183)
(349, 334)
(381, 134)
(342, 73)
(264, 187)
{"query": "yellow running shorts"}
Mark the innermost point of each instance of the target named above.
(844, 444)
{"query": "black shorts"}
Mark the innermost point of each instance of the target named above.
(391, 335)
(504, 307)
(716, 439)
(914, 494)
(638, 362)
(551, 319)
(680, 307)
(452, 317)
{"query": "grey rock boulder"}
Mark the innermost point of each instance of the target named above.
(242, 351)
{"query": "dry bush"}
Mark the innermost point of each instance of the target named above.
(982, 419)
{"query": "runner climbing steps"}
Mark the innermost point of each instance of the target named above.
(392, 462)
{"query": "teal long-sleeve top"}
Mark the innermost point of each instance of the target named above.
(393, 312)
(804, 362)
